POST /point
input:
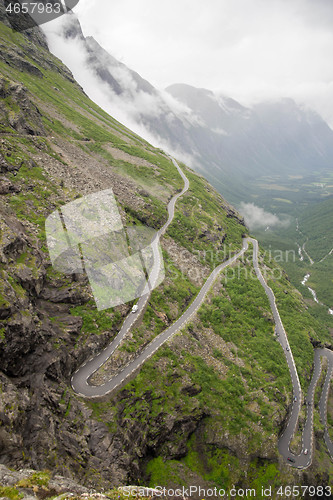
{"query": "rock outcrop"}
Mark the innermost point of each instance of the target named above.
(17, 112)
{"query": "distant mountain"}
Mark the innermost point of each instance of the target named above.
(272, 138)
(230, 144)
(106, 65)
(157, 112)
(103, 63)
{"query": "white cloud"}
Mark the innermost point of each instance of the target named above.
(129, 107)
(257, 218)
(219, 131)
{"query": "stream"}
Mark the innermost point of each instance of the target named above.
(307, 276)
(313, 293)
(301, 258)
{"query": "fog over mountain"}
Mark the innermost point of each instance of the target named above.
(229, 143)
(248, 49)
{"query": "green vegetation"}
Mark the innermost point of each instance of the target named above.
(315, 224)
(330, 411)
(299, 325)
(321, 381)
(224, 469)
(10, 492)
(241, 314)
(4, 304)
(217, 466)
(314, 213)
(241, 394)
(19, 290)
(96, 322)
(36, 479)
(171, 299)
(148, 176)
(36, 191)
(161, 472)
(202, 225)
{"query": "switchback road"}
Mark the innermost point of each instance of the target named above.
(80, 379)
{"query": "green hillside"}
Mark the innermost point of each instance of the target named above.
(316, 224)
(209, 406)
(310, 231)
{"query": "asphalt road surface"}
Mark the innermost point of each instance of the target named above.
(80, 379)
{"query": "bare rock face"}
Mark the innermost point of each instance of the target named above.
(35, 35)
(29, 484)
(70, 295)
(7, 187)
(27, 119)
(38, 354)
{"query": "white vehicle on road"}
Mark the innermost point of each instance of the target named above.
(135, 308)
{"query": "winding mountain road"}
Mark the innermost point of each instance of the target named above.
(80, 379)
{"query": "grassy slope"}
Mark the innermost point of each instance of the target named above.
(281, 243)
(243, 383)
(310, 200)
(316, 224)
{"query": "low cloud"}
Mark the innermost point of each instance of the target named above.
(133, 104)
(223, 45)
(257, 218)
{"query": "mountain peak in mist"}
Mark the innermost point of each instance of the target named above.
(192, 94)
(104, 63)
(213, 109)
(229, 143)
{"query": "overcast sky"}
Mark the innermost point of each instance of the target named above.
(248, 49)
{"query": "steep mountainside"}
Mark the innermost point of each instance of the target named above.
(313, 224)
(309, 238)
(233, 146)
(160, 115)
(207, 409)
